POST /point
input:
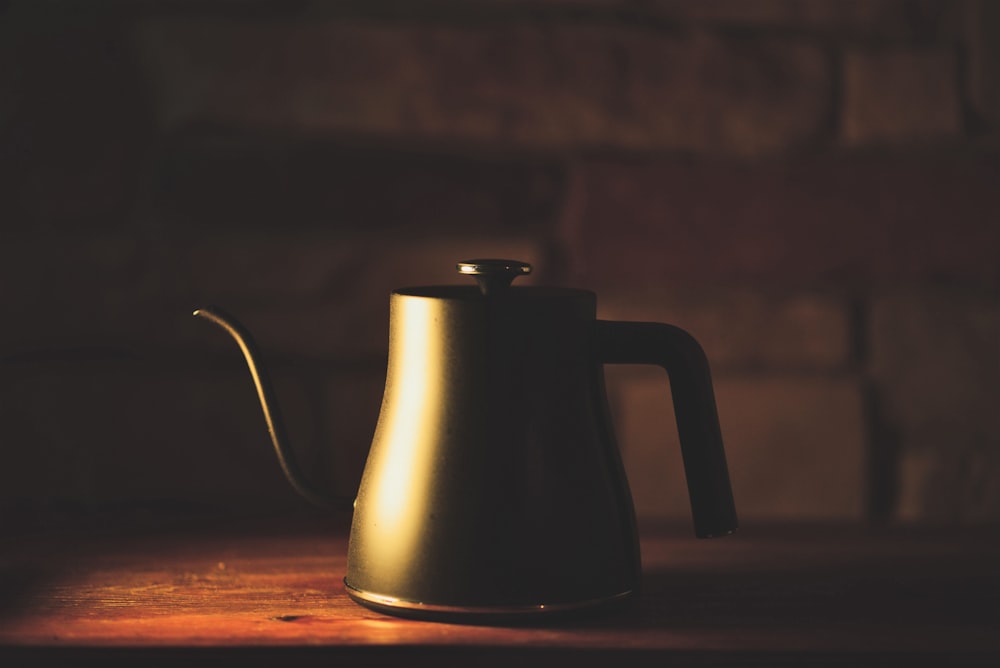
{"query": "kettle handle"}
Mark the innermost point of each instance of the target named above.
(675, 350)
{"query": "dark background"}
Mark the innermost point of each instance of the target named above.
(809, 187)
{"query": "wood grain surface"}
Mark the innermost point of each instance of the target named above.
(220, 591)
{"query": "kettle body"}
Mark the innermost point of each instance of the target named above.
(493, 483)
(494, 488)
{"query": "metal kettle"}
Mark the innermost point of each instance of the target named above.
(494, 488)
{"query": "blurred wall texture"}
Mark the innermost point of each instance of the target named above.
(810, 187)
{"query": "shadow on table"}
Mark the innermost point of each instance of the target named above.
(919, 591)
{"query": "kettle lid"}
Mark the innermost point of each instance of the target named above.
(493, 275)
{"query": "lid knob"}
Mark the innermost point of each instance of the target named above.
(493, 275)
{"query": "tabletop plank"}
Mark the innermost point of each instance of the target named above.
(786, 593)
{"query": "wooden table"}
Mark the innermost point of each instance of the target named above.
(218, 591)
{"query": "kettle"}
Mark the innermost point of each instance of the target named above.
(494, 489)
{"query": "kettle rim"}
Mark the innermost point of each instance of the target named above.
(421, 609)
(472, 293)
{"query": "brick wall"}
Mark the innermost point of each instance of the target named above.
(810, 188)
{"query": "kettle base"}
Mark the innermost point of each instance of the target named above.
(503, 614)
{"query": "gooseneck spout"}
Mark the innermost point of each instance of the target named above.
(272, 414)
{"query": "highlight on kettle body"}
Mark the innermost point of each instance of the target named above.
(494, 489)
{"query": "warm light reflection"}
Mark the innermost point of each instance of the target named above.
(396, 495)
(405, 422)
